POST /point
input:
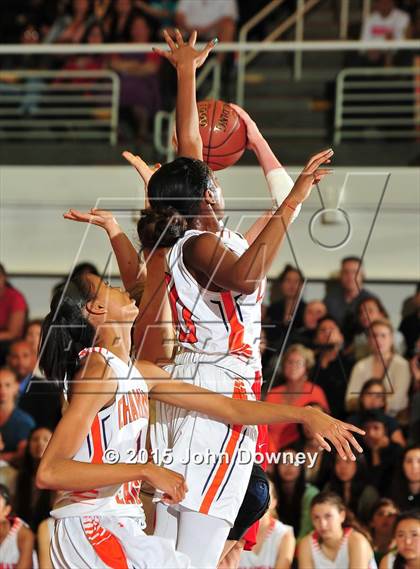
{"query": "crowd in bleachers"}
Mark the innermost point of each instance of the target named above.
(340, 354)
(147, 81)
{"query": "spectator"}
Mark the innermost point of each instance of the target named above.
(139, 79)
(405, 488)
(338, 542)
(94, 34)
(372, 397)
(313, 312)
(318, 473)
(410, 327)
(281, 313)
(16, 539)
(381, 525)
(74, 26)
(343, 299)
(407, 539)
(411, 303)
(414, 420)
(13, 312)
(293, 493)
(37, 396)
(332, 368)
(15, 424)
(297, 390)
(386, 22)
(349, 481)
(383, 364)
(369, 310)
(381, 453)
(121, 21)
(276, 542)
(31, 504)
(161, 12)
(33, 334)
(215, 19)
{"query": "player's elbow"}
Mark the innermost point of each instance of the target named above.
(44, 477)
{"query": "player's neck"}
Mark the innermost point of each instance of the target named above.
(116, 340)
(205, 223)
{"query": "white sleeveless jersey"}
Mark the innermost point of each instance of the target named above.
(226, 322)
(9, 549)
(267, 556)
(342, 560)
(117, 435)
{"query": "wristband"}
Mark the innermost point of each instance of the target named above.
(280, 184)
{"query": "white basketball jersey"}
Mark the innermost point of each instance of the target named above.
(117, 435)
(267, 556)
(9, 550)
(342, 560)
(226, 322)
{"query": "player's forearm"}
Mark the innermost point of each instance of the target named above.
(265, 156)
(255, 263)
(127, 258)
(187, 123)
(226, 409)
(154, 335)
(71, 475)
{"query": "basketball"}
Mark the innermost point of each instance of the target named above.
(223, 133)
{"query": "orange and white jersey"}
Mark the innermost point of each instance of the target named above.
(117, 435)
(225, 323)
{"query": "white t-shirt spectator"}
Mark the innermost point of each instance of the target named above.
(394, 26)
(203, 13)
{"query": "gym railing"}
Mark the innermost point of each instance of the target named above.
(59, 105)
(377, 103)
(212, 68)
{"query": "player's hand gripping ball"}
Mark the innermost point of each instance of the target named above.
(223, 133)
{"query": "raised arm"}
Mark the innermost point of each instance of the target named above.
(278, 180)
(186, 60)
(127, 257)
(154, 334)
(207, 255)
(243, 412)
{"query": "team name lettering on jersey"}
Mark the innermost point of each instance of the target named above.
(131, 407)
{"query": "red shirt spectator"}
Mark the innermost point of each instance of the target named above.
(13, 309)
(297, 391)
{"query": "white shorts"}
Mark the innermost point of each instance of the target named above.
(93, 542)
(216, 459)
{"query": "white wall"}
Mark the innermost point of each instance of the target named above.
(34, 238)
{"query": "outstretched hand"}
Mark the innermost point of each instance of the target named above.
(182, 53)
(337, 432)
(143, 169)
(100, 217)
(311, 174)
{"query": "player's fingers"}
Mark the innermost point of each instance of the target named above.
(209, 46)
(178, 37)
(322, 442)
(193, 38)
(352, 440)
(169, 40)
(338, 446)
(320, 158)
(351, 427)
(166, 54)
(316, 162)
